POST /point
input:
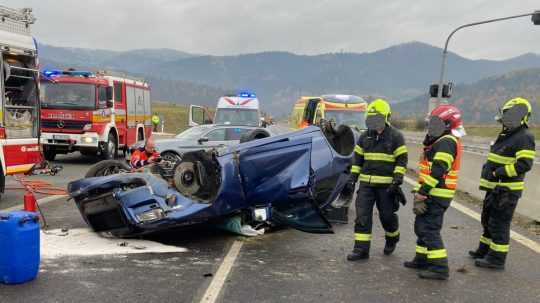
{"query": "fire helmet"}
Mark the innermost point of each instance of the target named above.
(445, 118)
(514, 113)
(378, 114)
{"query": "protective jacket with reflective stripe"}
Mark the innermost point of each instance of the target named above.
(380, 159)
(509, 158)
(439, 167)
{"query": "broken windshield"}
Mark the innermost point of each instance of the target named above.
(68, 95)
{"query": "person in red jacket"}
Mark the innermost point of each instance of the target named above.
(143, 156)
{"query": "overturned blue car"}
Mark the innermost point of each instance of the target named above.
(282, 180)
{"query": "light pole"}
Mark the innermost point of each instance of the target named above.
(535, 19)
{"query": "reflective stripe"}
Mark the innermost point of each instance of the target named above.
(449, 137)
(510, 170)
(392, 234)
(362, 237)
(511, 185)
(379, 157)
(442, 192)
(445, 157)
(437, 254)
(375, 179)
(485, 240)
(400, 150)
(429, 180)
(358, 150)
(400, 170)
(421, 249)
(501, 159)
(355, 169)
(499, 247)
(529, 154)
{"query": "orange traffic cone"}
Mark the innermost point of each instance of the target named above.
(30, 202)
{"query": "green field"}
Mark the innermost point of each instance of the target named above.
(175, 116)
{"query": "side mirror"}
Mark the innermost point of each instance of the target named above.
(109, 91)
(202, 140)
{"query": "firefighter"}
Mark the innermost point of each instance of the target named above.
(510, 157)
(155, 122)
(380, 162)
(145, 155)
(438, 170)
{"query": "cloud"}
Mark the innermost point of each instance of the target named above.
(302, 26)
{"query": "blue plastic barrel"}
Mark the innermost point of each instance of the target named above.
(19, 247)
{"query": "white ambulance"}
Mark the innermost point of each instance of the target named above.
(238, 109)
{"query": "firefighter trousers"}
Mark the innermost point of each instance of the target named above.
(366, 198)
(430, 251)
(497, 212)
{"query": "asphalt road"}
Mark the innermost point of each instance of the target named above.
(280, 266)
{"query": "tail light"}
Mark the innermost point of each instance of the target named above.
(2, 133)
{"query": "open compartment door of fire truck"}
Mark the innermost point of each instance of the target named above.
(19, 116)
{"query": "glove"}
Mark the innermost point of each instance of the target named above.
(420, 205)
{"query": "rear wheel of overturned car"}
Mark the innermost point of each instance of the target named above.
(254, 135)
(106, 168)
(49, 153)
(109, 150)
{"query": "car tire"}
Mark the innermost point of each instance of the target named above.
(171, 156)
(109, 150)
(49, 153)
(106, 168)
(254, 135)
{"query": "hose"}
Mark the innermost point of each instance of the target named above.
(38, 187)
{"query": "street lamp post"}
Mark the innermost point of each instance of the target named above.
(535, 19)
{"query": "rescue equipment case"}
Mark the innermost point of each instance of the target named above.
(19, 247)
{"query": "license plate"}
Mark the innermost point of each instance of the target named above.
(60, 137)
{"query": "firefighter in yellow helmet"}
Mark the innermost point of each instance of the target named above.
(155, 122)
(511, 156)
(380, 162)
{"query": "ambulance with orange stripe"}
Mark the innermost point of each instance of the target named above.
(342, 109)
(19, 86)
(95, 114)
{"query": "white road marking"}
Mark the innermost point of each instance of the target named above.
(85, 242)
(521, 239)
(212, 292)
(39, 201)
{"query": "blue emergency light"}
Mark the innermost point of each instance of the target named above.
(246, 94)
(51, 72)
(56, 72)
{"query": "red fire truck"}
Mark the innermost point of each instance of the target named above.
(96, 114)
(19, 85)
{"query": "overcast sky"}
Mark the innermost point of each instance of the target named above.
(223, 27)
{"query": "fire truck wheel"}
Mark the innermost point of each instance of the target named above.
(49, 154)
(109, 150)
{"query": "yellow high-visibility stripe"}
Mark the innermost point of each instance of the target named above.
(449, 137)
(392, 234)
(499, 247)
(429, 180)
(375, 179)
(437, 254)
(445, 157)
(485, 240)
(510, 170)
(511, 185)
(379, 157)
(400, 150)
(362, 237)
(500, 159)
(442, 192)
(400, 170)
(355, 169)
(421, 250)
(529, 154)
(358, 150)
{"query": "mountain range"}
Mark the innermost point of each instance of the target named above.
(398, 73)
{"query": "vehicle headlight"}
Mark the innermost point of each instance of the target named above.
(88, 139)
(151, 215)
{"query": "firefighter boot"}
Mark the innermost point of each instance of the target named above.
(477, 254)
(433, 275)
(486, 263)
(357, 255)
(390, 245)
(417, 263)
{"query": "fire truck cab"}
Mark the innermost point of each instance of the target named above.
(96, 114)
(19, 86)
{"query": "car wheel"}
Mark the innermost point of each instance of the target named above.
(254, 135)
(106, 168)
(110, 149)
(170, 156)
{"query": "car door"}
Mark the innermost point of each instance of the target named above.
(279, 174)
(198, 115)
(216, 137)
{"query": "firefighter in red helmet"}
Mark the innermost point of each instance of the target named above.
(437, 180)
